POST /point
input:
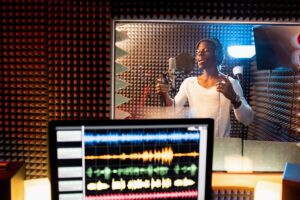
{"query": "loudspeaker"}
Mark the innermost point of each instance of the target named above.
(291, 182)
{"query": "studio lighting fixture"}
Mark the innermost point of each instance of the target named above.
(241, 51)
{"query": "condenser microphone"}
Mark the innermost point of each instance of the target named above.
(183, 63)
(238, 72)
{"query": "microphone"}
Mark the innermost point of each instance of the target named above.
(238, 72)
(183, 63)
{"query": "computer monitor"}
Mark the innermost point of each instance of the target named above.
(131, 159)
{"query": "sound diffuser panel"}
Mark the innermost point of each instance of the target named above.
(78, 66)
(24, 86)
(274, 95)
(245, 10)
(54, 65)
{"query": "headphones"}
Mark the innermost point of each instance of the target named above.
(219, 52)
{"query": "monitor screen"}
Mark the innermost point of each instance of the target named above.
(131, 159)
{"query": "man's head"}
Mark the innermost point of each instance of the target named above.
(209, 52)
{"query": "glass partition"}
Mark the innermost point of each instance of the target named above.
(145, 52)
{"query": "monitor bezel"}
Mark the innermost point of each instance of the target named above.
(52, 143)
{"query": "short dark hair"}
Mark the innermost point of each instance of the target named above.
(219, 52)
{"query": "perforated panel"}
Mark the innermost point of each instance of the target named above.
(277, 10)
(78, 37)
(24, 86)
(54, 65)
(275, 100)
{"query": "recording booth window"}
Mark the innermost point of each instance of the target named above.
(146, 52)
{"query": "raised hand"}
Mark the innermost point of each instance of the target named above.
(224, 86)
(162, 87)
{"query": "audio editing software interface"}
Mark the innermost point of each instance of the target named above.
(130, 162)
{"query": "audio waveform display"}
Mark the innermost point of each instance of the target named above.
(165, 156)
(141, 163)
(152, 183)
(118, 185)
(192, 169)
(98, 186)
(128, 171)
(131, 159)
(137, 184)
(184, 194)
(141, 171)
(185, 182)
(138, 137)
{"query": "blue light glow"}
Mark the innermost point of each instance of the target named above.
(115, 137)
(241, 51)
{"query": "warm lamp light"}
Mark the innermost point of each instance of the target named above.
(267, 190)
(37, 189)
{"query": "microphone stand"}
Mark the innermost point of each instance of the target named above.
(173, 89)
(241, 126)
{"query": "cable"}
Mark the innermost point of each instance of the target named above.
(219, 108)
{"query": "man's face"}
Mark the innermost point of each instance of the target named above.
(205, 55)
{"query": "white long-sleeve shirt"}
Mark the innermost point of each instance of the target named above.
(208, 103)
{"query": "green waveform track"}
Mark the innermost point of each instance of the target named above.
(192, 169)
(106, 172)
(128, 171)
